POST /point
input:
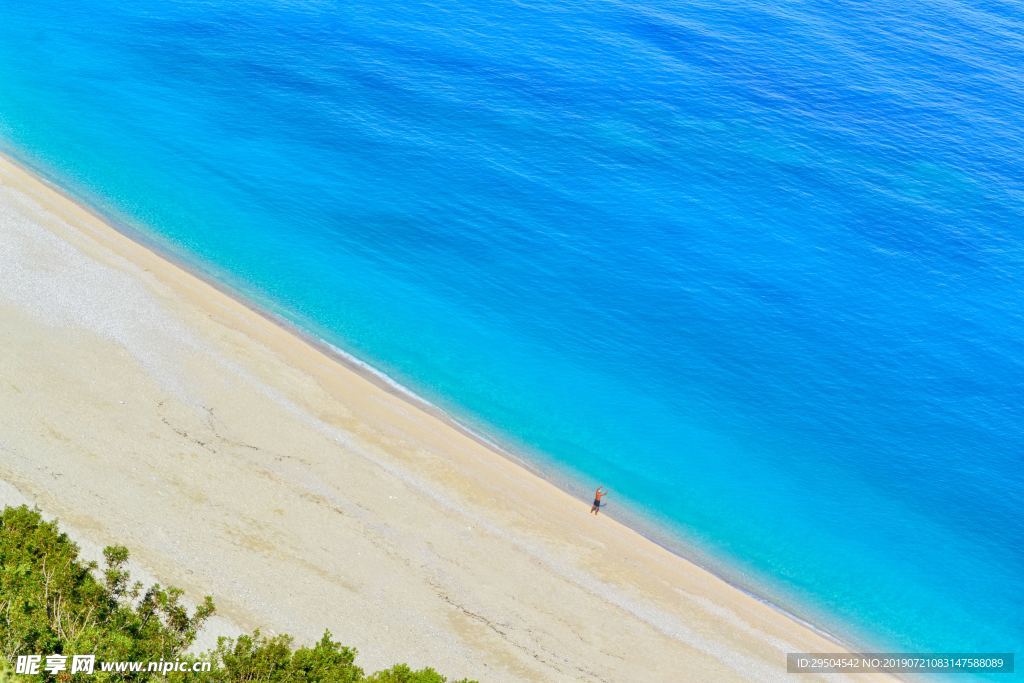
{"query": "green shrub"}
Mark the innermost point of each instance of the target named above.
(400, 673)
(53, 603)
(259, 658)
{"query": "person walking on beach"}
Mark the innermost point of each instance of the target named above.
(600, 493)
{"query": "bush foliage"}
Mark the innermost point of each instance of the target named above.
(51, 602)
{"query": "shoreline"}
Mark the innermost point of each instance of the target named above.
(341, 358)
(649, 529)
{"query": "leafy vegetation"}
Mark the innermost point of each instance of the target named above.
(51, 602)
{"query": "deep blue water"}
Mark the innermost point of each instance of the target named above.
(755, 266)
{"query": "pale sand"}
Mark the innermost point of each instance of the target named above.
(140, 405)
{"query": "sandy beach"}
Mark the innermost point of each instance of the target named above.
(140, 405)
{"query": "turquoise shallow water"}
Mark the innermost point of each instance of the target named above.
(756, 267)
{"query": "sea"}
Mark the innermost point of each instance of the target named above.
(756, 267)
